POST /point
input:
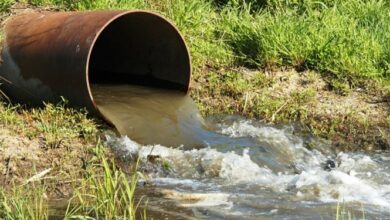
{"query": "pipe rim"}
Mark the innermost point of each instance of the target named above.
(124, 13)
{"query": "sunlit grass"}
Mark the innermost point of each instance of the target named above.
(9, 116)
(104, 192)
(55, 124)
(333, 38)
(5, 5)
(108, 193)
(344, 38)
(99, 187)
(23, 203)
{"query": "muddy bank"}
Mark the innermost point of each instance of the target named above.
(25, 160)
(354, 117)
(53, 145)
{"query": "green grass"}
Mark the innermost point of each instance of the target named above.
(98, 187)
(9, 116)
(109, 193)
(344, 38)
(5, 5)
(55, 125)
(104, 192)
(23, 203)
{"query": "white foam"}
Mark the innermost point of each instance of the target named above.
(284, 143)
(204, 169)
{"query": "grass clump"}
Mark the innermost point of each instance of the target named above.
(54, 124)
(5, 5)
(23, 203)
(106, 192)
(248, 93)
(103, 192)
(76, 161)
(335, 38)
(199, 22)
(9, 115)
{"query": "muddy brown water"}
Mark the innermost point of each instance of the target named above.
(230, 167)
(151, 116)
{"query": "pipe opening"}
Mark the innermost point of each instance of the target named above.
(139, 73)
(140, 48)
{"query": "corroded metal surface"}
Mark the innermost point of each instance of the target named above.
(53, 54)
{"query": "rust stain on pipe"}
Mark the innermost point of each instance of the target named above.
(53, 54)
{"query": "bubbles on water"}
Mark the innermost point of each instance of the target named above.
(295, 178)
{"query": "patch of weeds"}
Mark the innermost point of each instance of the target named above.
(5, 6)
(297, 111)
(230, 91)
(326, 37)
(266, 106)
(234, 84)
(249, 94)
(24, 203)
(349, 132)
(199, 22)
(9, 115)
(341, 88)
(109, 4)
(253, 5)
(104, 192)
(57, 124)
(71, 5)
(283, 109)
(110, 195)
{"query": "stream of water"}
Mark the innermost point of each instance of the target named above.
(230, 167)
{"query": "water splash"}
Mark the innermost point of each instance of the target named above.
(239, 168)
(235, 181)
(151, 116)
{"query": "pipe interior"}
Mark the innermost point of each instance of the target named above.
(140, 48)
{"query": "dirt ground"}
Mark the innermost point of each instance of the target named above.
(358, 119)
(361, 116)
(24, 160)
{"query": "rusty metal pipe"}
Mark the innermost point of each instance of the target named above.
(50, 55)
